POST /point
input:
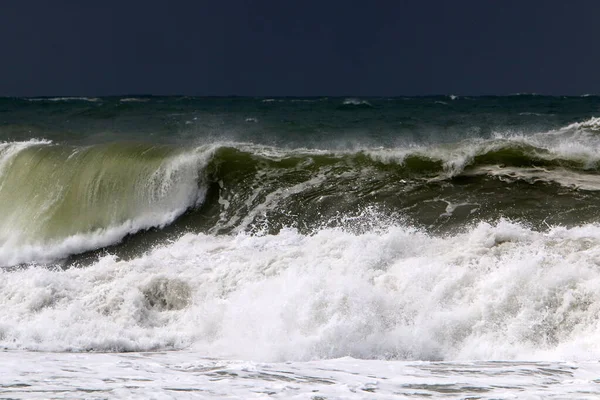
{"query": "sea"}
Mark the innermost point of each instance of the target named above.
(305, 248)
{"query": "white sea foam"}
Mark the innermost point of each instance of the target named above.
(592, 124)
(190, 375)
(495, 292)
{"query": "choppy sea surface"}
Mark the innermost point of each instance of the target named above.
(318, 248)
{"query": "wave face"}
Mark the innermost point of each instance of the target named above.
(60, 199)
(436, 228)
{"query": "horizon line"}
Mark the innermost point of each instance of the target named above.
(133, 95)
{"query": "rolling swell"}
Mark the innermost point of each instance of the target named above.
(435, 188)
(65, 200)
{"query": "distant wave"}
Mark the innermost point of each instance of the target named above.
(534, 114)
(356, 103)
(524, 94)
(54, 99)
(134, 100)
(309, 100)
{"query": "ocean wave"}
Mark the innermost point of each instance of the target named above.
(515, 151)
(62, 200)
(449, 160)
(592, 124)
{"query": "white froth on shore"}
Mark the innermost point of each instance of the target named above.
(190, 375)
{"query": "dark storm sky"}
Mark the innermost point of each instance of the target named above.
(298, 48)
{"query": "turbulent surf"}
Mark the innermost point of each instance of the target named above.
(431, 228)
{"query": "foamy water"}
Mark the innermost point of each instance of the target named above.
(500, 292)
(190, 375)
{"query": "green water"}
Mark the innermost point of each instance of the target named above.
(137, 171)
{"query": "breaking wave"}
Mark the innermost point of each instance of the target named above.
(406, 231)
(62, 200)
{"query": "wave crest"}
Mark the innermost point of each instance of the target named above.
(592, 124)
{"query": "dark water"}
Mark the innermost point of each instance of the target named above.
(87, 174)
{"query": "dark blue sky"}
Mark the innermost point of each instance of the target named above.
(299, 48)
